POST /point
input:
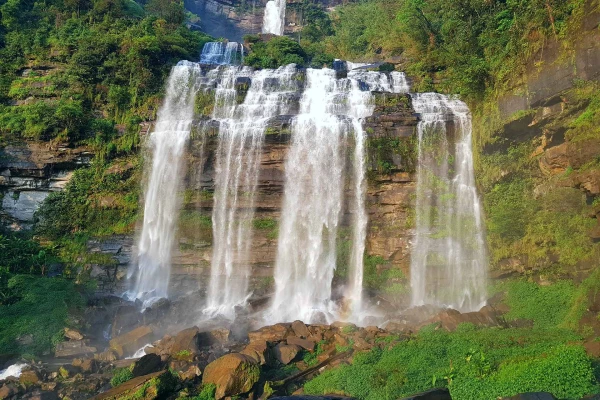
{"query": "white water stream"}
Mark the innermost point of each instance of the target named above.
(274, 17)
(166, 143)
(241, 134)
(449, 260)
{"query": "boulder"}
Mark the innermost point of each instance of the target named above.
(131, 341)
(30, 377)
(66, 371)
(106, 356)
(157, 385)
(304, 343)
(233, 374)
(186, 341)
(286, 353)
(191, 373)
(260, 352)
(40, 395)
(214, 337)
(87, 365)
(73, 348)
(8, 390)
(450, 319)
(300, 329)
(273, 333)
(146, 365)
(72, 334)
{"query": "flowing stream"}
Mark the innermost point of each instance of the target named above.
(316, 171)
(274, 17)
(161, 204)
(241, 134)
(449, 260)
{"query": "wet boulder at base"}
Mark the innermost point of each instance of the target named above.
(131, 341)
(233, 374)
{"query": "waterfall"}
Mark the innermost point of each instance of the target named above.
(220, 53)
(315, 170)
(241, 134)
(166, 143)
(274, 18)
(449, 260)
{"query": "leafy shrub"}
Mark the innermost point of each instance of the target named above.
(34, 322)
(276, 52)
(207, 392)
(121, 375)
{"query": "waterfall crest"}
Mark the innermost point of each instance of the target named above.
(167, 144)
(449, 260)
(220, 53)
(274, 17)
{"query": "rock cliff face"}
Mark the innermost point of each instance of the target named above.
(29, 172)
(546, 140)
(233, 19)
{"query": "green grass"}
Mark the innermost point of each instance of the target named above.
(473, 363)
(34, 323)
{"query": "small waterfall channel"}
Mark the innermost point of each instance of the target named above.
(274, 17)
(325, 179)
(449, 260)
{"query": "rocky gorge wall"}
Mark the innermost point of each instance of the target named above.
(232, 19)
(538, 166)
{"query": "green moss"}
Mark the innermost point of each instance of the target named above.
(205, 102)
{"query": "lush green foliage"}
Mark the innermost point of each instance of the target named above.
(473, 363)
(121, 375)
(275, 52)
(98, 200)
(40, 310)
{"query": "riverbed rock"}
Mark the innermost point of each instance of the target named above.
(300, 329)
(304, 343)
(30, 377)
(260, 351)
(146, 365)
(73, 348)
(131, 341)
(73, 334)
(9, 390)
(286, 353)
(233, 374)
(87, 365)
(273, 333)
(214, 337)
(186, 341)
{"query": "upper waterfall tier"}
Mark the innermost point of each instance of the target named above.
(221, 53)
(274, 17)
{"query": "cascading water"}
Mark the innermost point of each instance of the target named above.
(274, 17)
(241, 134)
(167, 144)
(220, 53)
(449, 260)
(330, 109)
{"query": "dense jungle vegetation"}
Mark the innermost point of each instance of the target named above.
(87, 73)
(78, 73)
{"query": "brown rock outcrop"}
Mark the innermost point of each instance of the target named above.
(233, 374)
(131, 341)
